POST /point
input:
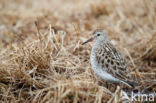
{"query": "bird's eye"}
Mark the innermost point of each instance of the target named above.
(98, 34)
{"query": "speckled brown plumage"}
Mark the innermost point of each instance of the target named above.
(112, 61)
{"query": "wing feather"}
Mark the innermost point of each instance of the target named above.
(112, 61)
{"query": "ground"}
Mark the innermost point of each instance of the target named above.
(42, 59)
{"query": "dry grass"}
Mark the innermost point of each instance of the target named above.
(49, 64)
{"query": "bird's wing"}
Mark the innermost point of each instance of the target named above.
(112, 61)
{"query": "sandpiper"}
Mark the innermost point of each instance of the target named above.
(107, 62)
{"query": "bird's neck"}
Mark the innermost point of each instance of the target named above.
(99, 44)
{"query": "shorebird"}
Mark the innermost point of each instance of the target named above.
(106, 61)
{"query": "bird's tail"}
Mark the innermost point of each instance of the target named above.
(131, 84)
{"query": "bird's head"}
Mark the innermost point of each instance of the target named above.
(98, 36)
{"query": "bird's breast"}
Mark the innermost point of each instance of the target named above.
(93, 61)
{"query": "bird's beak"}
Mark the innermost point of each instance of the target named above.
(91, 39)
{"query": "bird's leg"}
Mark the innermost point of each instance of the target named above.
(115, 86)
(121, 87)
(107, 85)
